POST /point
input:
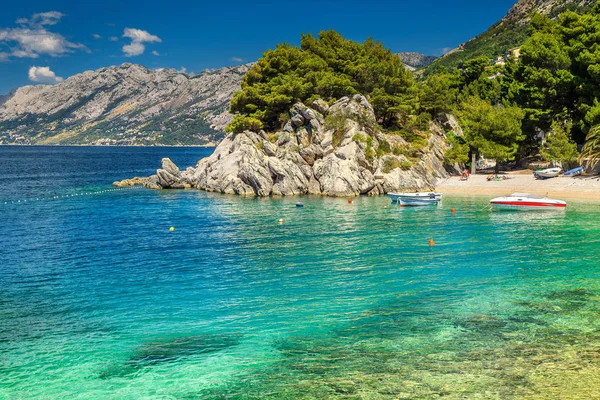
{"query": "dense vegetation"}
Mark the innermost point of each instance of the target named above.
(543, 104)
(328, 67)
(497, 40)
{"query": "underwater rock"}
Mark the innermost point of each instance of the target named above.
(153, 353)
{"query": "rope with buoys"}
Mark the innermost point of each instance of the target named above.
(66, 196)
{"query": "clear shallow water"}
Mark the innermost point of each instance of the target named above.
(98, 299)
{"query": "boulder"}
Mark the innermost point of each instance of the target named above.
(320, 106)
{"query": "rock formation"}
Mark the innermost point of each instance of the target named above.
(335, 150)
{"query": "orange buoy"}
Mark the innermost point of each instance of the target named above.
(453, 211)
(431, 242)
(350, 201)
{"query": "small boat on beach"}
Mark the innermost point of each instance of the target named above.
(575, 171)
(527, 201)
(416, 199)
(547, 173)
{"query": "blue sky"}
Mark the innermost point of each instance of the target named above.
(44, 41)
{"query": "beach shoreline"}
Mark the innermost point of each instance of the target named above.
(563, 187)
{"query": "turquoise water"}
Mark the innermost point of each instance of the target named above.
(99, 299)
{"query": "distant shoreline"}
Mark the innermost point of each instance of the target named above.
(575, 188)
(107, 145)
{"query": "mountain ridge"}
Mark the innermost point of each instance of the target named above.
(125, 104)
(509, 32)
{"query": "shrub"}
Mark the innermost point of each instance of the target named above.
(242, 123)
(384, 148)
(359, 138)
(406, 165)
(390, 164)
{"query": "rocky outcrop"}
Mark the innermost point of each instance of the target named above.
(523, 9)
(126, 104)
(416, 60)
(324, 150)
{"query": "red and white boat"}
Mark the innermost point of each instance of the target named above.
(527, 201)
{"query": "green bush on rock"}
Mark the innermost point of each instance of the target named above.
(243, 123)
(327, 67)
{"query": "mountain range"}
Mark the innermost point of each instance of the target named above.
(123, 105)
(133, 105)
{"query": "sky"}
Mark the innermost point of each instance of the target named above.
(44, 42)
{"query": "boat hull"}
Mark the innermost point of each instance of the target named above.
(527, 202)
(547, 173)
(527, 205)
(416, 199)
(417, 203)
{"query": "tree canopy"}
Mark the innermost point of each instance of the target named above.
(493, 131)
(327, 67)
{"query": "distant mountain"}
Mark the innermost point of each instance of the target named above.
(508, 33)
(126, 104)
(416, 60)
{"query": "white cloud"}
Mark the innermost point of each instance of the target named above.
(32, 39)
(43, 75)
(139, 35)
(183, 70)
(96, 36)
(155, 53)
(237, 59)
(445, 50)
(134, 49)
(42, 19)
(113, 39)
(138, 38)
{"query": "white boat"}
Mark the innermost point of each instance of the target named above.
(527, 201)
(547, 173)
(416, 199)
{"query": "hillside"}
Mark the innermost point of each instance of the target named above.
(508, 33)
(415, 60)
(127, 104)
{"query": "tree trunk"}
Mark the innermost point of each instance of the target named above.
(474, 162)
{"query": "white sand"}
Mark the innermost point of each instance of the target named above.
(582, 187)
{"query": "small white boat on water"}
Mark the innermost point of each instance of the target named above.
(547, 173)
(527, 201)
(416, 199)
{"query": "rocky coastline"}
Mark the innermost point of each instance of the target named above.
(336, 150)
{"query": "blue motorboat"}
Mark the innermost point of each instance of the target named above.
(575, 171)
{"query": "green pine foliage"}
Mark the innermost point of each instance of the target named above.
(559, 146)
(327, 67)
(494, 131)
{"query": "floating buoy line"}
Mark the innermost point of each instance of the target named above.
(66, 196)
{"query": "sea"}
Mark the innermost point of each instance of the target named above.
(130, 293)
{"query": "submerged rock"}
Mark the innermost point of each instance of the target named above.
(153, 353)
(311, 155)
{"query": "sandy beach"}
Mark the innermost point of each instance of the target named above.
(581, 187)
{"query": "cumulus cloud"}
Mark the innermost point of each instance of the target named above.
(96, 36)
(43, 75)
(138, 38)
(237, 59)
(31, 39)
